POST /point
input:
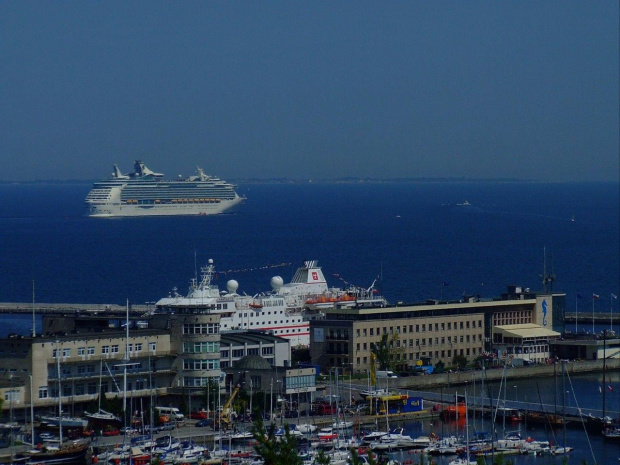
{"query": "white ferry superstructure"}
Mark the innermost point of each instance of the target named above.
(285, 311)
(146, 193)
(308, 290)
(268, 312)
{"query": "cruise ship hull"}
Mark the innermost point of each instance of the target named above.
(112, 210)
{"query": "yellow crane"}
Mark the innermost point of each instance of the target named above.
(226, 410)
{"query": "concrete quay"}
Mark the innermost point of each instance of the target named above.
(496, 373)
(64, 308)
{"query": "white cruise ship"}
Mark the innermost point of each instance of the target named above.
(285, 311)
(146, 193)
(267, 312)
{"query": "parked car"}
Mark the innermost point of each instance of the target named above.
(291, 414)
(147, 429)
(198, 415)
(167, 426)
(203, 423)
(128, 430)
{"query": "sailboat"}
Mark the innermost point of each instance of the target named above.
(465, 460)
(102, 417)
(564, 449)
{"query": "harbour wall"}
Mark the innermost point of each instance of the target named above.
(496, 373)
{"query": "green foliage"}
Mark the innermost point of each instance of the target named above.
(459, 361)
(439, 367)
(321, 458)
(271, 450)
(354, 458)
(383, 353)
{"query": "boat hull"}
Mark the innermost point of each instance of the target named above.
(113, 210)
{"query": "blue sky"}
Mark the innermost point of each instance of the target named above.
(303, 90)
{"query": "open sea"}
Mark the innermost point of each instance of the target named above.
(411, 237)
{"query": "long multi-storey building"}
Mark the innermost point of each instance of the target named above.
(87, 355)
(435, 331)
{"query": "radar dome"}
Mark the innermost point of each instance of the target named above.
(276, 282)
(232, 286)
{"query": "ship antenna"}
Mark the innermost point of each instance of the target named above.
(195, 266)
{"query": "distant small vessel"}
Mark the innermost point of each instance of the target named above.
(464, 204)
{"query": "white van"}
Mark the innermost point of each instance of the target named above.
(386, 374)
(171, 412)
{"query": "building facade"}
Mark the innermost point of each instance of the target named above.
(433, 331)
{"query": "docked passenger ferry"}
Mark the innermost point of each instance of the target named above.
(146, 193)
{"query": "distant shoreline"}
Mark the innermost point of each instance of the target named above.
(356, 181)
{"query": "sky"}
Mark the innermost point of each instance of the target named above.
(310, 90)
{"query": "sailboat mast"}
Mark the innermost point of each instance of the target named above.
(59, 390)
(564, 406)
(126, 362)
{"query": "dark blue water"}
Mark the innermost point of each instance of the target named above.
(402, 233)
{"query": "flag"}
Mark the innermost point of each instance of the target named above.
(614, 296)
(595, 296)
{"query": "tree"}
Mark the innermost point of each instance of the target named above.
(439, 367)
(271, 450)
(354, 458)
(386, 350)
(460, 361)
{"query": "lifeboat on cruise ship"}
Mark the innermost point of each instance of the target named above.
(320, 302)
(255, 305)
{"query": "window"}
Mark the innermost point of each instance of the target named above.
(139, 347)
(11, 396)
(105, 349)
(90, 350)
(152, 346)
(115, 349)
(81, 350)
(66, 352)
(43, 394)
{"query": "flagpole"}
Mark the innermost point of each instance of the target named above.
(593, 299)
(575, 314)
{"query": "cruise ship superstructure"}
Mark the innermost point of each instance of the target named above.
(266, 312)
(146, 193)
(285, 311)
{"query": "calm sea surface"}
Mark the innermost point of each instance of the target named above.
(409, 236)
